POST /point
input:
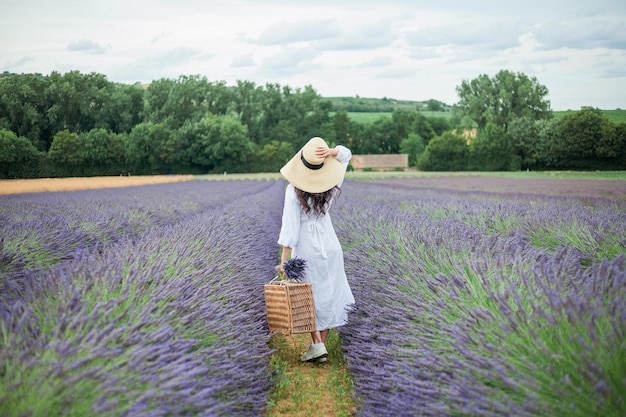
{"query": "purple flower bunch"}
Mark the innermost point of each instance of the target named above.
(294, 269)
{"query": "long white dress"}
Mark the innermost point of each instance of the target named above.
(313, 239)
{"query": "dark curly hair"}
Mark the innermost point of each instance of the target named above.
(316, 203)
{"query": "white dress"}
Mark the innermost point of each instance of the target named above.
(313, 239)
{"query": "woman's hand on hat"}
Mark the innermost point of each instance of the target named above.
(324, 152)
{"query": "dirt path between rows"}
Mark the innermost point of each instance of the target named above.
(309, 389)
(88, 183)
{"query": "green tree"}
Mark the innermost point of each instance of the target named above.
(271, 157)
(247, 107)
(547, 156)
(620, 142)
(523, 135)
(18, 157)
(503, 98)
(76, 100)
(378, 137)
(173, 102)
(283, 131)
(448, 152)
(356, 139)
(104, 153)
(434, 105)
(406, 121)
(423, 128)
(610, 146)
(151, 148)
(438, 125)
(231, 149)
(586, 140)
(123, 109)
(215, 144)
(23, 105)
(67, 154)
(314, 113)
(195, 140)
(156, 98)
(220, 98)
(413, 146)
(94, 96)
(341, 123)
(164, 146)
(492, 151)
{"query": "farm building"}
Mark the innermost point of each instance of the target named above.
(380, 162)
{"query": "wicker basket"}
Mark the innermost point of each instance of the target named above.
(289, 307)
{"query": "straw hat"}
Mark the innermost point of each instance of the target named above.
(310, 173)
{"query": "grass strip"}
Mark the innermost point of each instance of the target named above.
(311, 389)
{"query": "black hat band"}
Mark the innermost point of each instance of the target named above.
(309, 165)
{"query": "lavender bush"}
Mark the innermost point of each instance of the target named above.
(42, 229)
(166, 321)
(484, 304)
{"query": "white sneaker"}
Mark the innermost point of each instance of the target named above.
(316, 351)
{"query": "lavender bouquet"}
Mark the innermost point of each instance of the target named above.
(294, 269)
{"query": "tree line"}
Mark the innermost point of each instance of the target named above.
(77, 124)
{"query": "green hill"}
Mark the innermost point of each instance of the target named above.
(616, 116)
(367, 110)
(384, 105)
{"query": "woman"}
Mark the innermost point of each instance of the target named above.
(315, 175)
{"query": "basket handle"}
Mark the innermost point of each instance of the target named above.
(274, 279)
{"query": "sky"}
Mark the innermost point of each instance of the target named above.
(398, 49)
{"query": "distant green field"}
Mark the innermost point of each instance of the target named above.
(371, 117)
(367, 117)
(616, 116)
(368, 110)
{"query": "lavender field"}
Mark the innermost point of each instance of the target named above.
(148, 300)
(137, 301)
(484, 304)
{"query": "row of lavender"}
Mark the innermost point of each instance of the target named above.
(150, 303)
(484, 304)
(39, 230)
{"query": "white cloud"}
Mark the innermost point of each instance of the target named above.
(397, 73)
(583, 32)
(290, 60)
(404, 49)
(243, 61)
(87, 46)
(469, 32)
(162, 65)
(379, 61)
(18, 63)
(371, 35)
(285, 33)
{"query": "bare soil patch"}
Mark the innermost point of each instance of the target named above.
(68, 184)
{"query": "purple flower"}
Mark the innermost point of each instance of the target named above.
(294, 268)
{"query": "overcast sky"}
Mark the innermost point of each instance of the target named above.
(412, 50)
